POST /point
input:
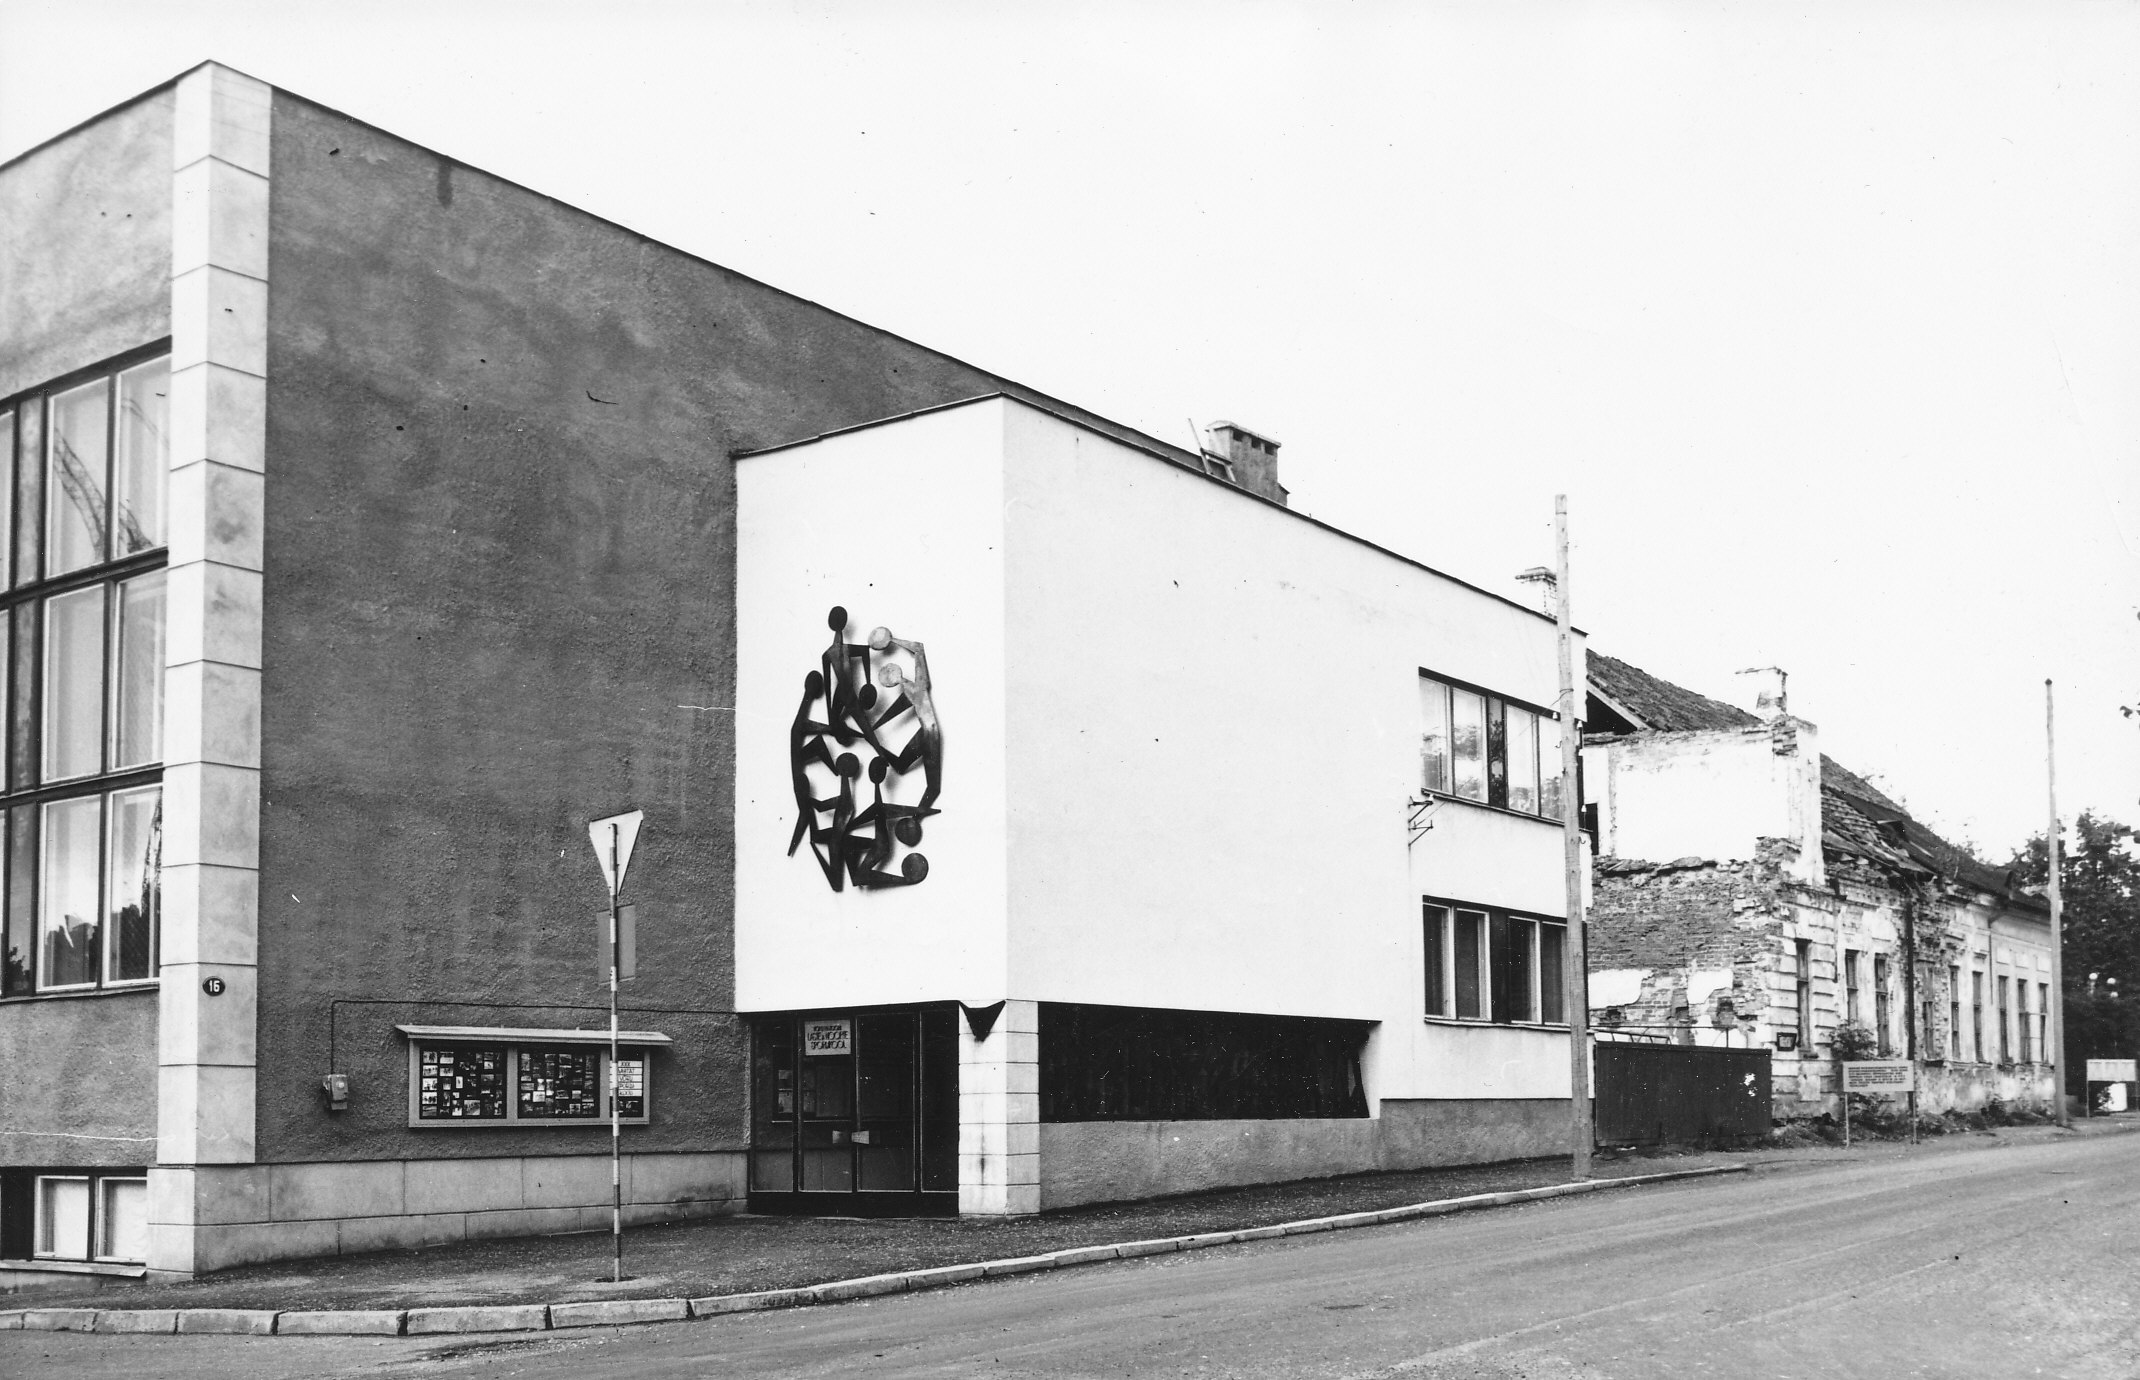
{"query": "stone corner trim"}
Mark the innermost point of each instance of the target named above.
(540, 1317)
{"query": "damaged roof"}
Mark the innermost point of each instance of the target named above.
(1647, 702)
(1857, 818)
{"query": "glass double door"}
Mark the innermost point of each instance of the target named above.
(855, 1112)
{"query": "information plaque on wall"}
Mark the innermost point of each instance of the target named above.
(560, 1083)
(457, 1082)
(631, 1087)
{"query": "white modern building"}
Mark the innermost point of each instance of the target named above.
(1125, 832)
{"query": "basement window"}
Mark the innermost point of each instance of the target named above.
(81, 1217)
(477, 1077)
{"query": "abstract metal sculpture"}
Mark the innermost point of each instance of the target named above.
(841, 732)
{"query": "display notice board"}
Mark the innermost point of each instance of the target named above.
(1879, 1076)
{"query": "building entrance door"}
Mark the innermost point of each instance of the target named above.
(855, 1113)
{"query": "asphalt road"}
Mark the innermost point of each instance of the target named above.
(2013, 1261)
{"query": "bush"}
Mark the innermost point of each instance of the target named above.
(1854, 1040)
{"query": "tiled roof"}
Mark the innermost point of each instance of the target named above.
(1659, 704)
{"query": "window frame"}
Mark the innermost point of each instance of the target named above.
(96, 1228)
(1440, 917)
(1497, 713)
(1884, 1004)
(1804, 950)
(28, 437)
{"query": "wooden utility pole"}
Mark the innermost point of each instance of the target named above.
(1575, 999)
(2058, 942)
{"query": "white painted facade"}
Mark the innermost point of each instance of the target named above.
(1710, 794)
(1181, 729)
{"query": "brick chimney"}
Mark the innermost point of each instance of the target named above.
(1233, 452)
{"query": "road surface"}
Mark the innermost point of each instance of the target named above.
(2014, 1261)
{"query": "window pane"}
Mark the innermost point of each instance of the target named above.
(74, 683)
(1513, 942)
(1552, 977)
(1496, 753)
(1470, 926)
(1436, 935)
(136, 886)
(123, 1230)
(560, 1083)
(137, 654)
(7, 494)
(21, 901)
(460, 1081)
(74, 478)
(73, 830)
(1522, 760)
(1433, 734)
(1468, 743)
(1549, 783)
(63, 1218)
(144, 457)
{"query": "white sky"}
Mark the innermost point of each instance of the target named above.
(1826, 316)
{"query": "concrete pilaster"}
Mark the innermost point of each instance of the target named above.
(999, 1114)
(211, 807)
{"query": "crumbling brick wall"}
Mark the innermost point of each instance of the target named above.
(1686, 916)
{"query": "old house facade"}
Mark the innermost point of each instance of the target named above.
(1750, 891)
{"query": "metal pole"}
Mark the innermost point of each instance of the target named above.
(616, 1125)
(1575, 984)
(2058, 941)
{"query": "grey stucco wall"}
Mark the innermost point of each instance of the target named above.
(498, 601)
(78, 1080)
(85, 267)
(85, 245)
(1114, 1161)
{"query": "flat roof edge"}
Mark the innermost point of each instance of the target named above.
(1083, 425)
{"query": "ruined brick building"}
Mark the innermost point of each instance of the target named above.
(1750, 891)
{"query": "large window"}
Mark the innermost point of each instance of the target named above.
(1954, 1011)
(1484, 964)
(1115, 1063)
(2043, 1022)
(2006, 1021)
(1476, 746)
(82, 509)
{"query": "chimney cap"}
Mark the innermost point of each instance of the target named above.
(1249, 432)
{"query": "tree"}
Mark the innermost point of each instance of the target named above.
(2099, 883)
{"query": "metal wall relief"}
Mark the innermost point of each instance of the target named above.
(867, 756)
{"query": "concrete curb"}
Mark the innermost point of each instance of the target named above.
(538, 1317)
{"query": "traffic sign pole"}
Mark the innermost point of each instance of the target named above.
(616, 1123)
(613, 839)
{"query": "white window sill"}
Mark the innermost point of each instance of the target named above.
(1473, 1023)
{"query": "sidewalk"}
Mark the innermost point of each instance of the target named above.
(744, 1254)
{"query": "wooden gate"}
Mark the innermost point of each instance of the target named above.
(1658, 1094)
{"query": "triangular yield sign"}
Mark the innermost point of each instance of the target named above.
(624, 830)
